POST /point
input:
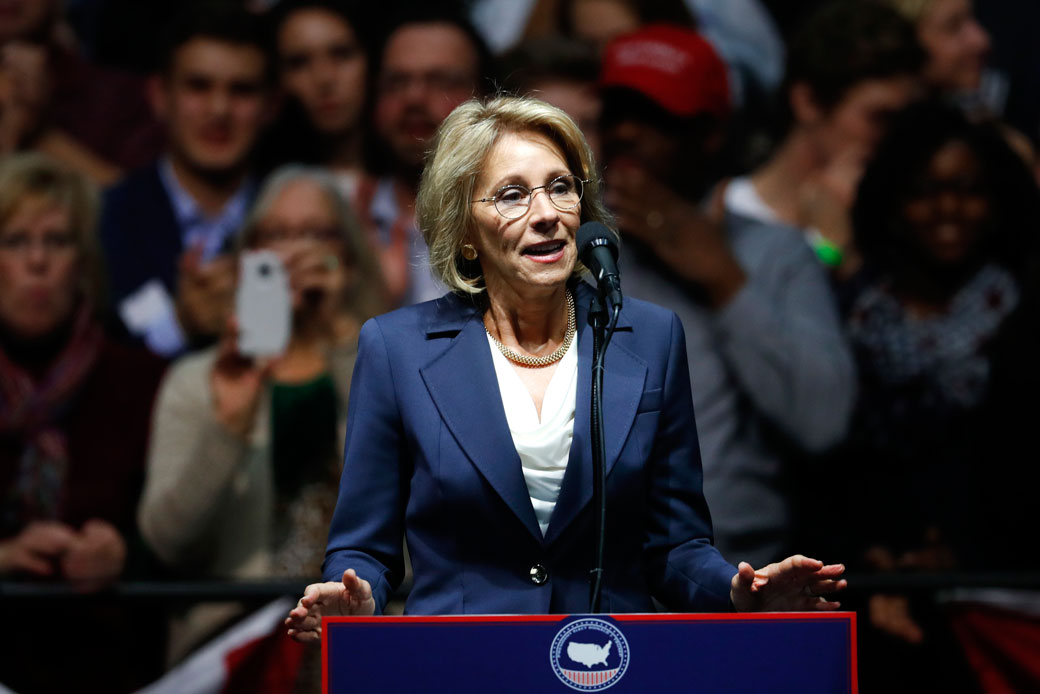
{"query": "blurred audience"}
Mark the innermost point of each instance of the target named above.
(601, 21)
(955, 43)
(74, 410)
(432, 60)
(742, 31)
(562, 72)
(946, 220)
(165, 227)
(922, 212)
(767, 357)
(852, 67)
(957, 65)
(323, 61)
(243, 469)
(93, 119)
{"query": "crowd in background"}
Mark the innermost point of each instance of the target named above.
(839, 200)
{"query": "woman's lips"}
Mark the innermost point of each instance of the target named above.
(549, 252)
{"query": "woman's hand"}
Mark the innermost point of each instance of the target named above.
(351, 596)
(90, 559)
(36, 549)
(795, 584)
(205, 292)
(95, 557)
(236, 382)
(317, 279)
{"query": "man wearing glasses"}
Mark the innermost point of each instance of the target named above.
(432, 61)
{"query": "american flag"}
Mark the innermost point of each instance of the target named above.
(592, 677)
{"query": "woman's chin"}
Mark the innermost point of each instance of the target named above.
(32, 327)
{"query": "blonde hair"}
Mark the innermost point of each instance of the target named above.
(460, 150)
(367, 293)
(34, 176)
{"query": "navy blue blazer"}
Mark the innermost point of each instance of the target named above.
(429, 456)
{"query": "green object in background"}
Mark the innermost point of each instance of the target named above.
(827, 252)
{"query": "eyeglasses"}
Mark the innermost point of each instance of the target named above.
(281, 234)
(513, 201)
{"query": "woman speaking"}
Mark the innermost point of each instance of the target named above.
(468, 426)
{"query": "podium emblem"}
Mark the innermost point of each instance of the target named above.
(589, 655)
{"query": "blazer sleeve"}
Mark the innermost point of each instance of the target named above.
(685, 570)
(368, 524)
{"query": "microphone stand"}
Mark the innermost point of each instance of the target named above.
(601, 335)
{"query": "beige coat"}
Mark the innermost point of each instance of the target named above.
(208, 502)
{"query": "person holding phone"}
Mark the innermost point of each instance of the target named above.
(245, 454)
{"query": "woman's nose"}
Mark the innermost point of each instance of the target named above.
(543, 212)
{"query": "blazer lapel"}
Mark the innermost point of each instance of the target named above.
(463, 385)
(623, 381)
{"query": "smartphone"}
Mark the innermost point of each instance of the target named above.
(263, 305)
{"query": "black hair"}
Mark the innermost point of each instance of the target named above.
(647, 11)
(359, 15)
(902, 157)
(292, 137)
(549, 58)
(221, 20)
(847, 42)
(407, 12)
(453, 12)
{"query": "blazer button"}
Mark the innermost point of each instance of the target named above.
(539, 574)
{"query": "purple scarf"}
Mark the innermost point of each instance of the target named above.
(30, 410)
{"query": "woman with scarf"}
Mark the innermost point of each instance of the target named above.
(74, 410)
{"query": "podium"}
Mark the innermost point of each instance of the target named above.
(796, 652)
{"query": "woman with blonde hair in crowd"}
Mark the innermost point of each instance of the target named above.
(74, 408)
(245, 456)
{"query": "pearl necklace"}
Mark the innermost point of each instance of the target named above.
(548, 359)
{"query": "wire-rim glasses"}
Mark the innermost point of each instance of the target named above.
(513, 201)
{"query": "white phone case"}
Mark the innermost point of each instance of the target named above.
(263, 305)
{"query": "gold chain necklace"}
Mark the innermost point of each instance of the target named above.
(548, 359)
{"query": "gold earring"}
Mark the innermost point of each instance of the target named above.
(469, 251)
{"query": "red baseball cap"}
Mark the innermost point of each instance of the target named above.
(671, 65)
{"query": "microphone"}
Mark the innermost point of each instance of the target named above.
(598, 251)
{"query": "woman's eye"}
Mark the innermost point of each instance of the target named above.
(512, 196)
(560, 187)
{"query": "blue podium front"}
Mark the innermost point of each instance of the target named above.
(801, 653)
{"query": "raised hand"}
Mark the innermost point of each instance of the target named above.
(351, 596)
(318, 280)
(690, 241)
(795, 584)
(236, 382)
(205, 292)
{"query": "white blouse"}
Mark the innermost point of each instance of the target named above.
(544, 446)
